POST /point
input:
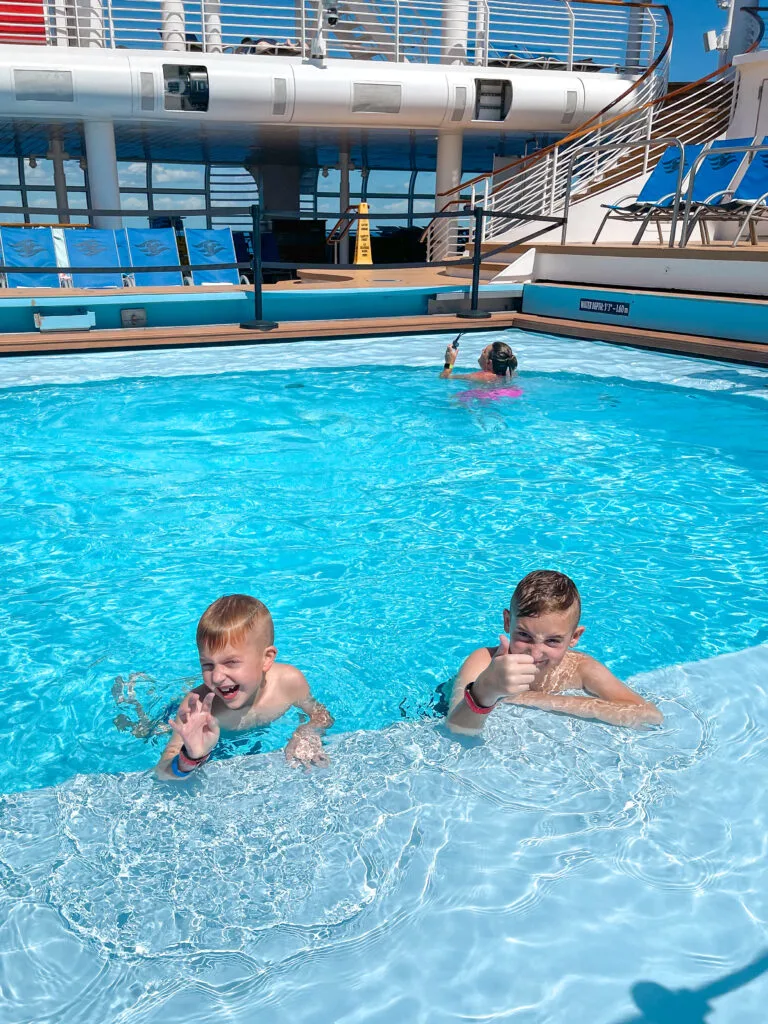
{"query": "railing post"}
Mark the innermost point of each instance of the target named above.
(473, 313)
(258, 323)
(571, 33)
(397, 31)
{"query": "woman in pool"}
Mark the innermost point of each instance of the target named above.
(496, 362)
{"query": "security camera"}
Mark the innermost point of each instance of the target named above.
(332, 15)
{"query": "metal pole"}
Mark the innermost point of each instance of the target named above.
(258, 323)
(473, 313)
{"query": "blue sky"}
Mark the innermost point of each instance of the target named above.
(692, 19)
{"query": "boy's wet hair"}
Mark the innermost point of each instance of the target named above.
(230, 619)
(503, 359)
(545, 591)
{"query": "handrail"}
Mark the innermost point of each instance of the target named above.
(586, 126)
(346, 221)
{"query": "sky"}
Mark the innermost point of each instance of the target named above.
(692, 19)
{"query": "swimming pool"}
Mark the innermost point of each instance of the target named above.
(384, 522)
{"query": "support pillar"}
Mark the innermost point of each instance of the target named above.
(103, 182)
(447, 177)
(635, 30)
(455, 29)
(212, 26)
(172, 25)
(344, 197)
(57, 156)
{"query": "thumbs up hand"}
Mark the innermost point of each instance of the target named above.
(508, 675)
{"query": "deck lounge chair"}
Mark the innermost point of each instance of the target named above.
(714, 181)
(211, 245)
(154, 247)
(93, 247)
(657, 195)
(29, 247)
(746, 205)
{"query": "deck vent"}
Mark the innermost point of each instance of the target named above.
(280, 99)
(147, 84)
(571, 102)
(459, 103)
(375, 98)
(45, 86)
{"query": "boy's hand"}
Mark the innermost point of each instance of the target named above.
(306, 748)
(450, 355)
(197, 726)
(508, 675)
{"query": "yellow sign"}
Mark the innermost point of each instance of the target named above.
(363, 244)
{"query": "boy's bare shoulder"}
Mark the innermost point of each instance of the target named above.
(290, 680)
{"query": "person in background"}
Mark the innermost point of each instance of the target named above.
(496, 361)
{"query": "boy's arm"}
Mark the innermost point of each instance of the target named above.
(195, 727)
(493, 679)
(305, 745)
(612, 702)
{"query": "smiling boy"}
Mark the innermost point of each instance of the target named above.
(243, 688)
(538, 663)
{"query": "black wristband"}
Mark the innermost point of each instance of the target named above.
(196, 761)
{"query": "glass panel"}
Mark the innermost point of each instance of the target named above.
(42, 199)
(9, 170)
(9, 198)
(40, 174)
(132, 175)
(73, 173)
(178, 176)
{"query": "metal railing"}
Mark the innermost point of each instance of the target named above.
(586, 35)
(538, 183)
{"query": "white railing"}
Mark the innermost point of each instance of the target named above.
(586, 35)
(695, 115)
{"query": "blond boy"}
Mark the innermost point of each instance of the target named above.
(537, 663)
(243, 688)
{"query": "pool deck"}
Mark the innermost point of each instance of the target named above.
(384, 277)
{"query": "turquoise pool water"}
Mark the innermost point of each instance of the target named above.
(561, 872)
(382, 520)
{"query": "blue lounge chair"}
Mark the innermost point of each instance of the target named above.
(713, 182)
(29, 247)
(212, 245)
(747, 204)
(657, 195)
(154, 247)
(93, 247)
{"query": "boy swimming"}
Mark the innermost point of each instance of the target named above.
(243, 688)
(537, 663)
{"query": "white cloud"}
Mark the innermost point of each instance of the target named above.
(177, 176)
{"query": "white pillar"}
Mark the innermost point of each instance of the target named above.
(89, 20)
(172, 21)
(344, 197)
(212, 26)
(447, 176)
(635, 29)
(57, 156)
(102, 171)
(455, 30)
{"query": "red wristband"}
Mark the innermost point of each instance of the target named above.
(195, 762)
(472, 704)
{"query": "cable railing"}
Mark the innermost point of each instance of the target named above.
(583, 35)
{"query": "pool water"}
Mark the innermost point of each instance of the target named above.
(383, 521)
(562, 872)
